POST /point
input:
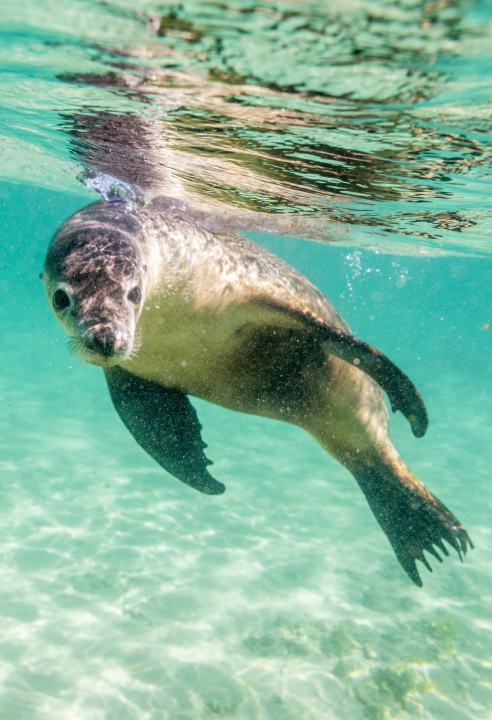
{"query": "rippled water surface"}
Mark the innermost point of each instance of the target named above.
(125, 594)
(362, 121)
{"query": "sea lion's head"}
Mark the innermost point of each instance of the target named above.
(94, 279)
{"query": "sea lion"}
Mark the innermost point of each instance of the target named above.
(169, 308)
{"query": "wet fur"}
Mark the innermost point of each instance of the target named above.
(95, 264)
(275, 367)
(227, 321)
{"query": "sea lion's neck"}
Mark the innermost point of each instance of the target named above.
(182, 259)
(165, 252)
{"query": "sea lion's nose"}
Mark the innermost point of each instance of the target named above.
(103, 341)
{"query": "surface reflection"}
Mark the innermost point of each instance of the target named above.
(312, 119)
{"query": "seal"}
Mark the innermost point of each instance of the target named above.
(170, 308)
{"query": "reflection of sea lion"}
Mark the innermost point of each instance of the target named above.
(169, 308)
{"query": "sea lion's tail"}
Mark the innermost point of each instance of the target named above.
(412, 517)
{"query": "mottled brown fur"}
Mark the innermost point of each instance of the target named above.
(225, 320)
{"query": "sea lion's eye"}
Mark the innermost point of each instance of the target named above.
(61, 300)
(134, 295)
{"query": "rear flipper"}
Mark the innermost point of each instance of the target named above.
(411, 516)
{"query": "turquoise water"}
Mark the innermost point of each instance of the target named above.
(125, 594)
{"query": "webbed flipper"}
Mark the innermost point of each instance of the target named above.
(402, 393)
(413, 519)
(165, 425)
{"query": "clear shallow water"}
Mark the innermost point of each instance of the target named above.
(124, 594)
(127, 595)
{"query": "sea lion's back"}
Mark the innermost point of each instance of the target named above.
(225, 262)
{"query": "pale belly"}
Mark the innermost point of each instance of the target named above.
(231, 357)
(255, 365)
(191, 351)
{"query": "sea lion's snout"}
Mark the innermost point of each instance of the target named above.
(104, 344)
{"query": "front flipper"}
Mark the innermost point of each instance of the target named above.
(401, 391)
(165, 425)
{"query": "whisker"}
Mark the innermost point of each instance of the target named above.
(74, 346)
(137, 344)
(71, 347)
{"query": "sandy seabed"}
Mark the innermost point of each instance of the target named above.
(125, 594)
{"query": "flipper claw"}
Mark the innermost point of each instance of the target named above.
(413, 527)
(433, 552)
(423, 559)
